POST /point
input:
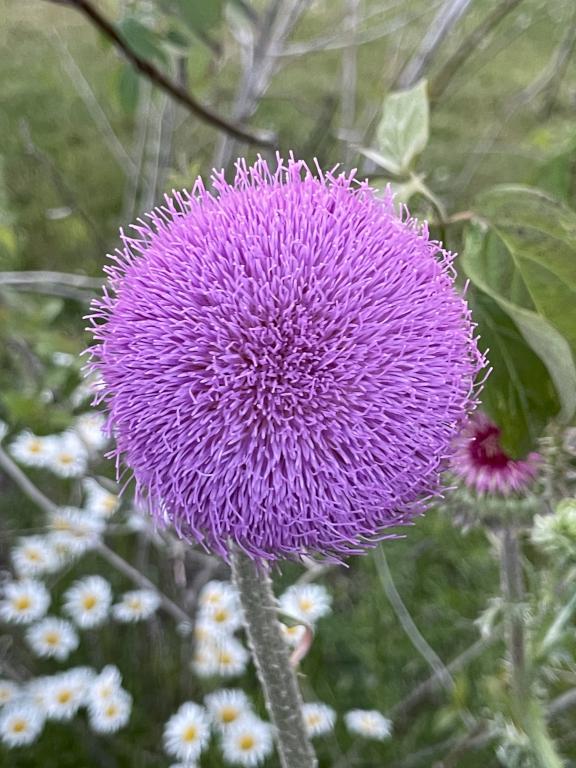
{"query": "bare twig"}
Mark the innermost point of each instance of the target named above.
(405, 619)
(339, 42)
(429, 686)
(448, 15)
(143, 582)
(162, 81)
(275, 26)
(468, 46)
(92, 104)
(349, 78)
(36, 277)
(47, 505)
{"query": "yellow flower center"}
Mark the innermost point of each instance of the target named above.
(33, 555)
(135, 604)
(111, 710)
(22, 603)
(228, 714)
(221, 615)
(224, 658)
(305, 604)
(247, 741)
(313, 719)
(89, 602)
(52, 638)
(19, 726)
(34, 446)
(65, 458)
(64, 697)
(190, 734)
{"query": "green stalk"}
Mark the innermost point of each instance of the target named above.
(272, 661)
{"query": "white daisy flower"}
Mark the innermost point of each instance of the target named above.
(217, 593)
(67, 455)
(74, 532)
(24, 601)
(8, 691)
(34, 556)
(309, 602)
(104, 686)
(90, 428)
(247, 742)
(187, 732)
(224, 656)
(31, 450)
(227, 706)
(293, 635)
(64, 694)
(88, 601)
(368, 723)
(52, 638)
(223, 616)
(21, 722)
(111, 714)
(137, 605)
(318, 718)
(99, 501)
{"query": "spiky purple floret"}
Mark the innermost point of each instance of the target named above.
(285, 362)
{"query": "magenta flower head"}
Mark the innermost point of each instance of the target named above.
(285, 362)
(481, 462)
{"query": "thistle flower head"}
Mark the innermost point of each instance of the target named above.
(285, 362)
(483, 464)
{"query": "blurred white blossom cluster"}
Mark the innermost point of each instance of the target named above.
(26, 708)
(244, 738)
(51, 623)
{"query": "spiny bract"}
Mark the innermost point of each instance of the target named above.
(285, 361)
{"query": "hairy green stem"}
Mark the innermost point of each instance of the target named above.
(513, 590)
(271, 658)
(526, 708)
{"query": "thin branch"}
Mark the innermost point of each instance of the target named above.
(468, 46)
(35, 277)
(92, 104)
(152, 73)
(339, 42)
(429, 686)
(276, 23)
(407, 622)
(25, 484)
(47, 505)
(143, 582)
(449, 14)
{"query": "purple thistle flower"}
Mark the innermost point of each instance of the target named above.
(285, 362)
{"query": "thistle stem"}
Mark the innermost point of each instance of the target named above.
(272, 661)
(526, 708)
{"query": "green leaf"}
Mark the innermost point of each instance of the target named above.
(523, 255)
(141, 39)
(200, 15)
(518, 395)
(539, 233)
(403, 130)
